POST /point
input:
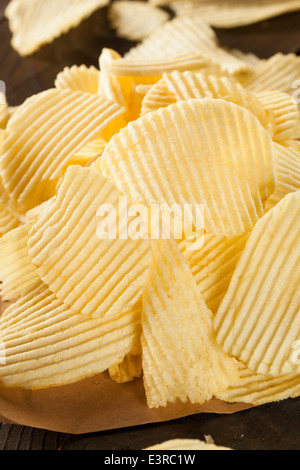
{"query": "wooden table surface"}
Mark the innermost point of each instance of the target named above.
(269, 427)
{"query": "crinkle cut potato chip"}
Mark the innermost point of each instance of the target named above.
(90, 267)
(135, 20)
(258, 389)
(285, 112)
(288, 174)
(129, 369)
(34, 23)
(189, 85)
(190, 36)
(60, 346)
(180, 356)
(43, 135)
(78, 78)
(159, 159)
(231, 13)
(120, 78)
(258, 320)
(17, 272)
(213, 264)
(277, 73)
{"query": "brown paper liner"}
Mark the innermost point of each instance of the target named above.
(93, 405)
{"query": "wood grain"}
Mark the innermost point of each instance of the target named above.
(269, 427)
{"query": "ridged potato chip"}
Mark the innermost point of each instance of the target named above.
(78, 78)
(120, 77)
(135, 20)
(160, 159)
(17, 272)
(159, 96)
(34, 23)
(213, 265)
(43, 135)
(258, 389)
(48, 344)
(190, 36)
(285, 112)
(8, 219)
(129, 369)
(288, 174)
(90, 266)
(181, 358)
(278, 73)
(231, 13)
(258, 320)
(189, 85)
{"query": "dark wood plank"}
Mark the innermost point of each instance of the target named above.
(269, 427)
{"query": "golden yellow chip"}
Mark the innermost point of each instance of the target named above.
(34, 23)
(159, 96)
(129, 369)
(213, 265)
(208, 152)
(258, 389)
(120, 77)
(288, 174)
(188, 85)
(77, 78)
(285, 112)
(17, 272)
(43, 135)
(181, 358)
(258, 320)
(8, 219)
(278, 73)
(186, 35)
(60, 346)
(82, 246)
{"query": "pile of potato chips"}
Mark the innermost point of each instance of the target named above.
(34, 23)
(177, 120)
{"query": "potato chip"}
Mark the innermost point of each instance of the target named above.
(82, 249)
(159, 159)
(17, 272)
(4, 115)
(120, 78)
(89, 153)
(181, 358)
(260, 389)
(190, 36)
(186, 444)
(232, 13)
(43, 135)
(188, 85)
(8, 219)
(50, 345)
(129, 369)
(288, 174)
(135, 20)
(159, 96)
(278, 73)
(258, 320)
(213, 265)
(77, 78)
(248, 57)
(285, 114)
(34, 23)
